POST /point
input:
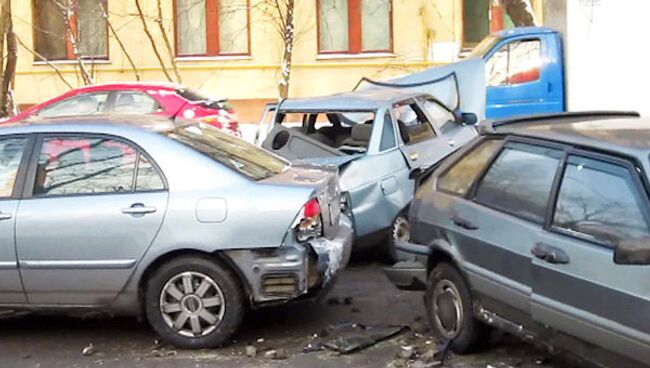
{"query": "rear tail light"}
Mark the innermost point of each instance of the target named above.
(308, 223)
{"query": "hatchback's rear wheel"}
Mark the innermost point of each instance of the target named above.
(194, 302)
(399, 231)
(450, 310)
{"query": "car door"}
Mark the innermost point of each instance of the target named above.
(133, 102)
(13, 159)
(92, 206)
(501, 215)
(517, 82)
(451, 134)
(81, 104)
(420, 145)
(577, 286)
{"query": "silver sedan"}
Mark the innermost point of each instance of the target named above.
(172, 220)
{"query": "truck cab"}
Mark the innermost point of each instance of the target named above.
(524, 72)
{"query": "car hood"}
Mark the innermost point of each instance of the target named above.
(459, 85)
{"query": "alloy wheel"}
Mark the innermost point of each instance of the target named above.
(192, 304)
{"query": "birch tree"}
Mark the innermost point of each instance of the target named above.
(520, 12)
(9, 68)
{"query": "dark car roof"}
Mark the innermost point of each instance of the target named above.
(368, 99)
(626, 134)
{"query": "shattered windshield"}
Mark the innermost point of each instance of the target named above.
(247, 159)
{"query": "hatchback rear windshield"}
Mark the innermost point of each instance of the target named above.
(243, 157)
(196, 96)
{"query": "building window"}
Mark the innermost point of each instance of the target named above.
(354, 26)
(55, 21)
(212, 27)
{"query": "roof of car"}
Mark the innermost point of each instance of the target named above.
(628, 134)
(520, 31)
(36, 124)
(131, 85)
(368, 99)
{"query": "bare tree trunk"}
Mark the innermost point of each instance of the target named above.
(520, 11)
(288, 38)
(152, 41)
(9, 72)
(119, 42)
(159, 20)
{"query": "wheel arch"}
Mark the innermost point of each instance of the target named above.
(218, 256)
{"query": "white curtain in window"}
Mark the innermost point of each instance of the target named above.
(92, 29)
(375, 25)
(233, 27)
(191, 32)
(333, 26)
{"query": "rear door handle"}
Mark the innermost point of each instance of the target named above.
(550, 254)
(5, 216)
(414, 156)
(138, 209)
(465, 224)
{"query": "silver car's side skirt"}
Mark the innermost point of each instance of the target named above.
(80, 264)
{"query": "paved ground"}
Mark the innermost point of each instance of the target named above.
(36, 341)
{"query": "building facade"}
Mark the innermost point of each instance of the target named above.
(233, 48)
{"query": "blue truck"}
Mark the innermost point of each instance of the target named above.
(524, 72)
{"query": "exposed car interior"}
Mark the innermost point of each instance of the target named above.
(342, 131)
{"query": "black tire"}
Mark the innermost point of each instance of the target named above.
(232, 295)
(396, 230)
(466, 333)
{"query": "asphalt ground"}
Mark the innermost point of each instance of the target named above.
(362, 295)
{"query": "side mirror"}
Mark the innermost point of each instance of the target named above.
(469, 118)
(633, 252)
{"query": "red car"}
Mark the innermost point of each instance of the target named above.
(166, 99)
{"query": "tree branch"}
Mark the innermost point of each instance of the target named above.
(119, 42)
(152, 41)
(161, 26)
(43, 58)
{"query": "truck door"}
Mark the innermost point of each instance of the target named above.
(524, 76)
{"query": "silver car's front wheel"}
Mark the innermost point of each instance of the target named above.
(192, 304)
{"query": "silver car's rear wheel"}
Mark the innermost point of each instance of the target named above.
(194, 301)
(400, 231)
(191, 303)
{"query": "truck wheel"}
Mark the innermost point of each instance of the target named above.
(400, 230)
(450, 310)
(193, 302)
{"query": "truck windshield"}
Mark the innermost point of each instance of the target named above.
(247, 159)
(484, 47)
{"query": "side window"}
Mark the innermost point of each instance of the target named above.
(147, 178)
(130, 102)
(519, 181)
(460, 177)
(388, 134)
(442, 118)
(11, 153)
(412, 123)
(514, 63)
(84, 104)
(69, 166)
(601, 201)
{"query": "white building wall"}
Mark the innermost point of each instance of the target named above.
(608, 58)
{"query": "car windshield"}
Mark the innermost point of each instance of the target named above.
(245, 158)
(483, 47)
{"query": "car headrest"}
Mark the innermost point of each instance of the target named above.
(361, 132)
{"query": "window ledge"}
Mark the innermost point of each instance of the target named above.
(71, 62)
(213, 58)
(344, 56)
